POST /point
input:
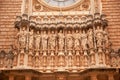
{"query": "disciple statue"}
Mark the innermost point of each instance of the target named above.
(37, 40)
(90, 38)
(84, 40)
(44, 37)
(52, 40)
(69, 40)
(99, 36)
(31, 39)
(106, 41)
(9, 59)
(76, 40)
(22, 38)
(61, 38)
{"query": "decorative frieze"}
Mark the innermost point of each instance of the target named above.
(62, 43)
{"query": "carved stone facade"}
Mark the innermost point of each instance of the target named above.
(50, 46)
(61, 44)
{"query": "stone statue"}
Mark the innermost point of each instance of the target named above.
(9, 59)
(77, 40)
(44, 40)
(37, 40)
(84, 40)
(106, 41)
(69, 40)
(99, 36)
(31, 39)
(90, 38)
(22, 38)
(61, 38)
(52, 40)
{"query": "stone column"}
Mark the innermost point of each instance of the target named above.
(28, 77)
(92, 57)
(111, 77)
(30, 58)
(93, 77)
(11, 77)
(85, 59)
(21, 62)
(15, 61)
(37, 60)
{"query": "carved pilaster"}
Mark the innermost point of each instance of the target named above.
(86, 59)
(21, 57)
(101, 55)
(37, 60)
(92, 57)
(61, 60)
(30, 59)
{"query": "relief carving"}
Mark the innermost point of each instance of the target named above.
(44, 37)
(99, 36)
(31, 39)
(84, 40)
(22, 38)
(69, 40)
(52, 40)
(61, 39)
(37, 40)
(77, 38)
(66, 47)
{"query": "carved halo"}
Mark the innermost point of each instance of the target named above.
(44, 27)
(52, 26)
(61, 24)
(76, 25)
(37, 28)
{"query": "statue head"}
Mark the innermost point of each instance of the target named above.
(31, 30)
(83, 31)
(37, 32)
(44, 31)
(98, 27)
(23, 28)
(52, 32)
(76, 30)
(69, 31)
(60, 31)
